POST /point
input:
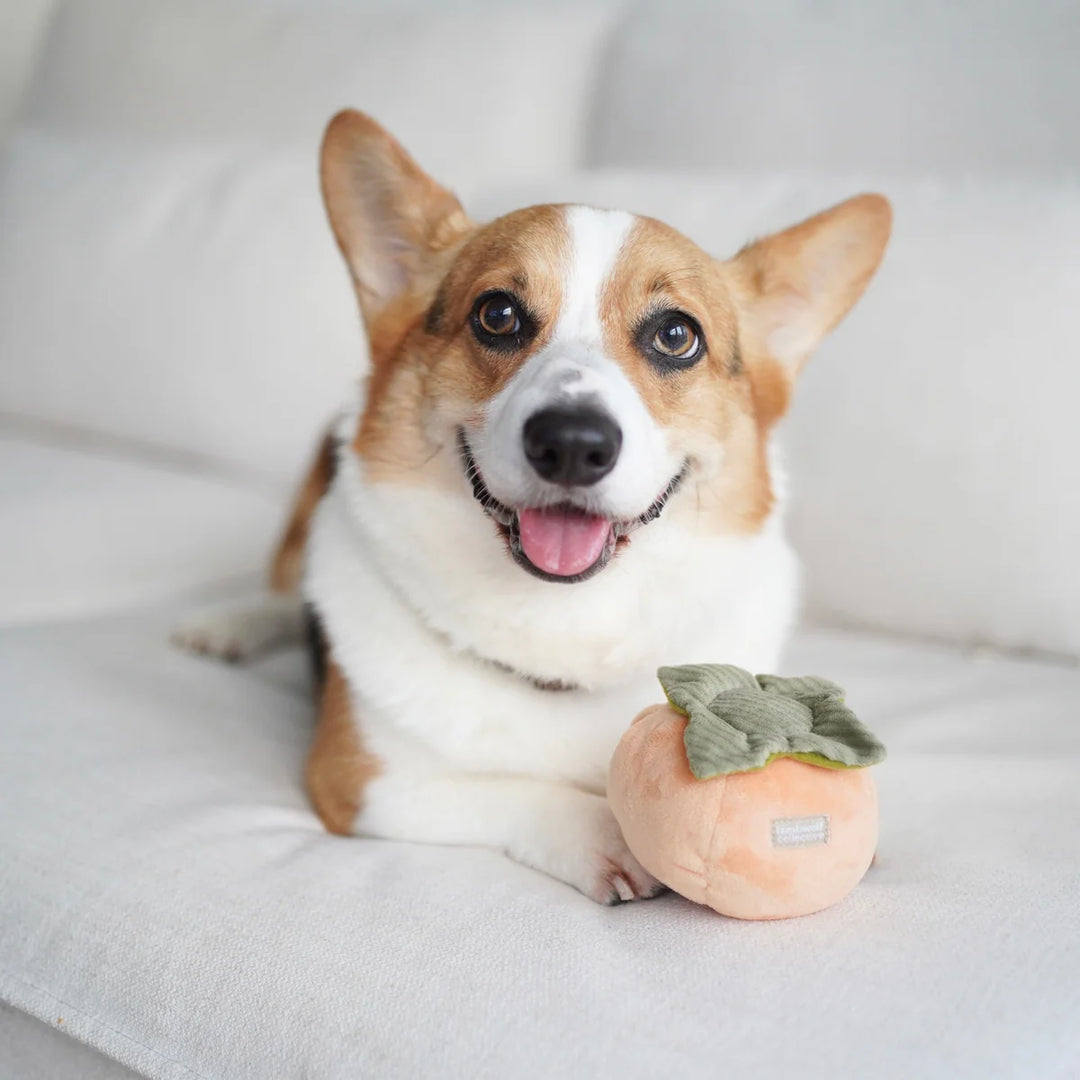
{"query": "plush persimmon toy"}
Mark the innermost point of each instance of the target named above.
(749, 794)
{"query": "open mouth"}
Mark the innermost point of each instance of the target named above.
(563, 542)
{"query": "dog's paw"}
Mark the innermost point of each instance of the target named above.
(240, 633)
(585, 848)
(620, 878)
(218, 636)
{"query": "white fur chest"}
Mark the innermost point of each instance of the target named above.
(425, 615)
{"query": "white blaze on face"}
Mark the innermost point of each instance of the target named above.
(573, 366)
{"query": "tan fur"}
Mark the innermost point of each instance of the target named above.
(368, 176)
(796, 285)
(288, 562)
(338, 765)
(710, 404)
(427, 379)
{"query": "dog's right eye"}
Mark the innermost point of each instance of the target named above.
(672, 340)
(501, 322)
(498, 315)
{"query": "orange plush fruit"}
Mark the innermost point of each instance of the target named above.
(749, 794)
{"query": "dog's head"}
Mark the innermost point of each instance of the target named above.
(582, 369)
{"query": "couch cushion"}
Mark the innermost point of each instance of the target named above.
(956, 88)
(187, 296)
(34, 1050)
(86, 529)
(932, 442)
(274, 71)
(166, 889)
(24, 28)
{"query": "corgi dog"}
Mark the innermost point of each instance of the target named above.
(561, 475)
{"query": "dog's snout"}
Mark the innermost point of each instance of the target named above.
(572, 446)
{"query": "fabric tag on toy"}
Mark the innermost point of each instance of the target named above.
(788, 832)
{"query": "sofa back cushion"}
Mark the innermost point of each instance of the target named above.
(186, 297)
(918, 85)
(486, 91)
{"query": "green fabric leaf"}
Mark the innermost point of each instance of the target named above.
(738, 722)
(800, 686)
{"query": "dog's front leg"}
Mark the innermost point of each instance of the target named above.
(374, 781)
(565, 832)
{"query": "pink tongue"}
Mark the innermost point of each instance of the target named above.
(560, 541)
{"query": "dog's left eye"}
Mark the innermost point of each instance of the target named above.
(677, 338)
(497, 315)
(671, 340)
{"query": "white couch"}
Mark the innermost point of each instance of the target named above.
(174, 327)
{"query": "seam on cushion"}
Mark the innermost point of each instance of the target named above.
(58, 435)
(25, 1006)
(71, 1043)
(105, 609)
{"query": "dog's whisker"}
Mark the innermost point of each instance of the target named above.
(434, 454)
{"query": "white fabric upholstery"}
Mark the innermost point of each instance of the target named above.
(186, 296)
(932, 443)
(22, 26)
(84, 532)
(901, 85)
(34, 1050)
(274, 72)
(168, 902)
(166, 889)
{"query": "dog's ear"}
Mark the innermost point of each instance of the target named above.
(796, 285)
(387, 214)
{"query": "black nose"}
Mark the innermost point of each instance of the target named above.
(572, 446)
